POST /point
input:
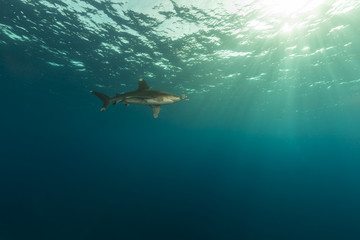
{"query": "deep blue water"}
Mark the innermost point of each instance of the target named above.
(268, 147)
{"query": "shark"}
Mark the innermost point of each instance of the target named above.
(144, 95)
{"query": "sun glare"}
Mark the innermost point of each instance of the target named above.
(290, 8)
(285, 15)
(286, 7)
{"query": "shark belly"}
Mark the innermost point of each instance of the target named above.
(147, 100)
(135, 100)
(159, 101)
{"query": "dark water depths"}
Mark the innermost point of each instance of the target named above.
(268, 146)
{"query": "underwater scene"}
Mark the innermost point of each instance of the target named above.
(180, 120)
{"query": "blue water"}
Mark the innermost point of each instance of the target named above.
(268, 147)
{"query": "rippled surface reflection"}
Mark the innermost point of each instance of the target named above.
(259, 48)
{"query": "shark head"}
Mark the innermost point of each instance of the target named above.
(162, 99)
(173, 98)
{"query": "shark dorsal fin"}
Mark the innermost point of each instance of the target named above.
(142, 85)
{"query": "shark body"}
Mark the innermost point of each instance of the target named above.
(142, 96)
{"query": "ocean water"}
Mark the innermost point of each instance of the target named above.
(268, 147)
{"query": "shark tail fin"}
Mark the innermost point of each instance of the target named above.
(106, 99)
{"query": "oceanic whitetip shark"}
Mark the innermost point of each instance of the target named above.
(142, 96)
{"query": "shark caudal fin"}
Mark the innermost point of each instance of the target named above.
(106, 99)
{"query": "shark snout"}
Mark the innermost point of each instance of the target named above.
(184, 97)
(175, 99)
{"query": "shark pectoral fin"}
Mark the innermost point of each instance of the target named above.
(156, 110)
